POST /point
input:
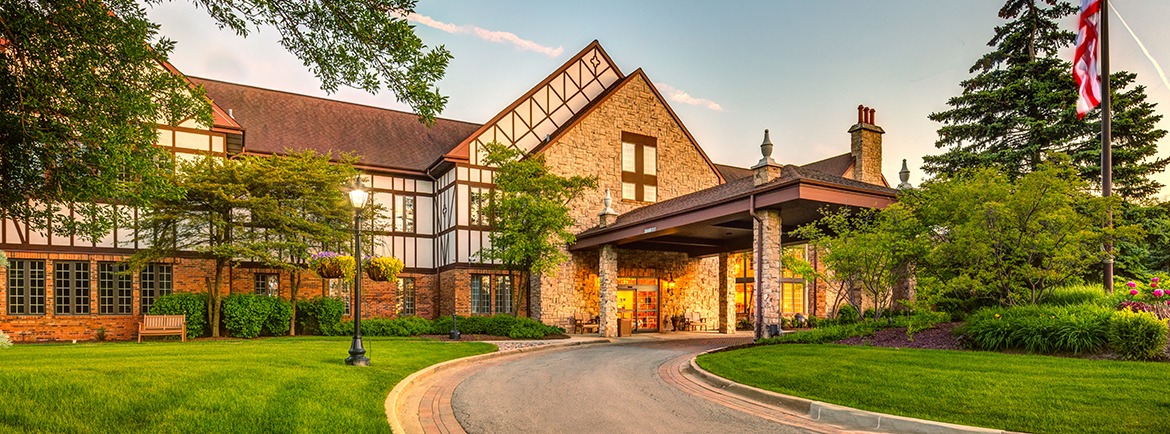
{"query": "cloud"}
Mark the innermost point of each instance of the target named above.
(487, 35)
(678, 95)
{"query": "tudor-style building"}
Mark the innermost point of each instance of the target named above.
(671, 240)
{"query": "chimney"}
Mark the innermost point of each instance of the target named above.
(866, 138)
(607, 215)
(767, 169)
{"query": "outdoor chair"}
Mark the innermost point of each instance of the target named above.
(584, 324)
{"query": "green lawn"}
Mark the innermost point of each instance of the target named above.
(239, 386)
(1005, 391)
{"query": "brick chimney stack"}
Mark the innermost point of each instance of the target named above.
(866, 138)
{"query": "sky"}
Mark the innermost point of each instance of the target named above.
(797, 68)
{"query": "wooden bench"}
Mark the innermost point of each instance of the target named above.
(163, 325)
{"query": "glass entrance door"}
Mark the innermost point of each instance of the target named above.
(638, 301)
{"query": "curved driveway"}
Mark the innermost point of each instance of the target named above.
(598, 388)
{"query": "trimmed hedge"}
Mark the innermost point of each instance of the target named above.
(185, 303)
(499, 325)
(319, 315)
(249, 315)
(835, 330)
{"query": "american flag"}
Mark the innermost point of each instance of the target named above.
(1085, 63)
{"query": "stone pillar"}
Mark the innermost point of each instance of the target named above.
(726, 294)
(767, 256)
(607, 271)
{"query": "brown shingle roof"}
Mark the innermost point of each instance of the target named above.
(731, 173)
(835, 166)
(276, 121)
(732, 189)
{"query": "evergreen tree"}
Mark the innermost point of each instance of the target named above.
(1021, 105)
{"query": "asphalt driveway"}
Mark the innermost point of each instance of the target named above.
(599, 388)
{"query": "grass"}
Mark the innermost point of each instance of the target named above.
(1005, 391)
(279, 385)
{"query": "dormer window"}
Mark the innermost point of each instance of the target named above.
(639, 168)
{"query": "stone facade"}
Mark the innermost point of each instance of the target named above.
(592, 147)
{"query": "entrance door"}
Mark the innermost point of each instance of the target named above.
(638, 301)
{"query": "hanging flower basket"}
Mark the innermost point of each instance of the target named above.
(382, 268)
(330, 265)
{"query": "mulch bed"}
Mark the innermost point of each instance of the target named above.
(941, 337)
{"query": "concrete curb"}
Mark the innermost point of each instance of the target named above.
(846, 417)
(391, 403)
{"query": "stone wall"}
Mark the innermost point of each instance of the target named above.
(593, 147)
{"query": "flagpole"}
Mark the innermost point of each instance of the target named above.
(1106, 143)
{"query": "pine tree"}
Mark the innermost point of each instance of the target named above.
(1021, 105)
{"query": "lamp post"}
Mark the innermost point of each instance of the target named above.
(358, 198)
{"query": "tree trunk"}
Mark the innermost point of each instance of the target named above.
(295, 281)
(215, 299)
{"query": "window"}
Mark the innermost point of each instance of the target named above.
(639, 168)
(155, 281)
(481, 294)
(339, 289)
(745, 282)
(26, 287)
(266, 284)
(115, 293)
(404, 213)
(406, 284)
(479, 199)
(70, 288)
(791, 285)
(504, 294)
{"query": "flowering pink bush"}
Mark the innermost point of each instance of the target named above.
(1159, 293)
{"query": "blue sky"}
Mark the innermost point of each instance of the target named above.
(799, 68)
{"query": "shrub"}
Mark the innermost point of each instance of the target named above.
(249, 315)
(318, 316)
(1043, 329)
(847, 313)
(184, 303)
(826, 334)
(5, 341)
(279, 316)
(499, 325)
(1137, 335)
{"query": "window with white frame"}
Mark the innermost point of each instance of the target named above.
(504, 294)
(408, 294)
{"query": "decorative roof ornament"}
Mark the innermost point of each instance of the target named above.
(608, 214)
(904, 175)
(766, 151)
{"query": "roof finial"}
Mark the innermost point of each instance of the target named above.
(904, 175)
(766, 151)
(608, 214)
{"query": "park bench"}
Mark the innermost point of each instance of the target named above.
(163, 325)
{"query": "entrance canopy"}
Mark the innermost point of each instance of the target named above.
(719, 219)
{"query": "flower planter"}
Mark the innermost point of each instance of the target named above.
(377, 275)
(382, 268)
(331, 265)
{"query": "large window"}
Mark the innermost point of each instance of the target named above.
(406, 285)
(71, 288)
(639, 168)
(26, 287)
(266, 284)
(478, 204)
(156, 280)
(504, 294)
(792, 286)
(115, 292)
(404, 213)
(481, 294)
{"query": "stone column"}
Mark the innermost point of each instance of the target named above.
(607, 270)
(726, 294)
(767, 256)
